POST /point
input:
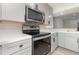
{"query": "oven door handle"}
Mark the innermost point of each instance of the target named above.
(42, 37)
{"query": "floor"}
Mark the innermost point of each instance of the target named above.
(63, 51)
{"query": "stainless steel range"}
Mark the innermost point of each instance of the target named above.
(41, 42)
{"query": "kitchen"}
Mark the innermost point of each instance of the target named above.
(39, 29)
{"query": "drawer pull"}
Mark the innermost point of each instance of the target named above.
(21, 46)
(53, 39)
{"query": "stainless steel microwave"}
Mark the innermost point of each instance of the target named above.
(32, 15)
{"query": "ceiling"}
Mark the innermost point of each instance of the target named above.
(59, 7)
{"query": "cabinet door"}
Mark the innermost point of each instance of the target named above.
(61, 39)
(31, 5)
(71, 43)
(43, 8)
(27, 51)
(51, 20)
(13, 11)
(48, 13)
(54, 42)
(0, 10)
(56, 39)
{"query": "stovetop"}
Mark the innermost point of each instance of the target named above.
(35, 33)
(40, 34)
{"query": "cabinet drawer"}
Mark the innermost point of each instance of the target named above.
(16, 46)
(69, 34)
(27, 51)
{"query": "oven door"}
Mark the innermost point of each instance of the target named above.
(42, 45)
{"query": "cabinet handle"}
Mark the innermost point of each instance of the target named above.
(53, 39)
(48, 22)
(78, 43)
(21, 46)
(77, 40)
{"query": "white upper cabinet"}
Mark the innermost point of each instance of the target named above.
(0, 10)
(31, 5)
(45, 8)
(13, 11)
(16, 11)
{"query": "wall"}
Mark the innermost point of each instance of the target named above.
(58, 23)
(66, 23)
(69, 23)
(10, 28)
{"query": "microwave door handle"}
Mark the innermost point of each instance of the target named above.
(43, 17)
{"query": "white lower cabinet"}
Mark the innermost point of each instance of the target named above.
(26, 51)
(54, 41)
(69, 41)
(19, 47)
(61, 39)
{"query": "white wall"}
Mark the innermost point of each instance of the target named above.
(66, 23)
(10, 28)
(58, 23)
(69, 23)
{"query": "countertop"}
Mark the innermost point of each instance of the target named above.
(12, 37)
(9, 37)
(59, 30)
